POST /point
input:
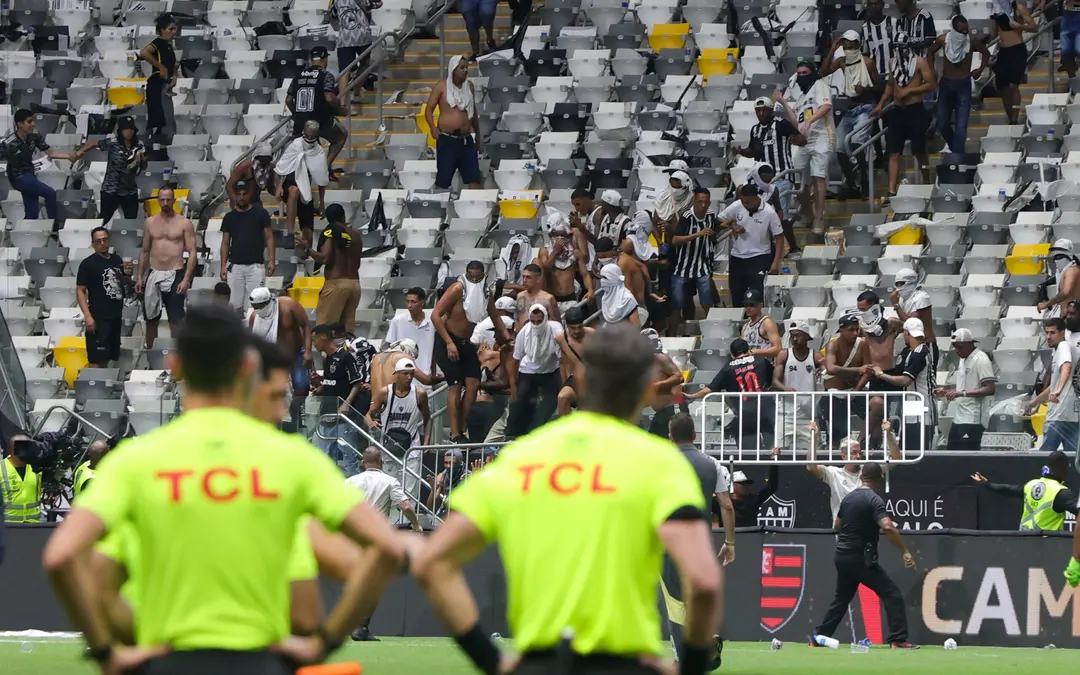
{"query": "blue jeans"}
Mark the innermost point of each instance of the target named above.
(342, 454)
(32, 190)
(1070, 34)
(954, 98)
(680, 291)
(789, 200)
(477, 13)
(1063, 434)
(854, 129)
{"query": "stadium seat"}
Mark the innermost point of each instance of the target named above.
(668, 36)
(96, 383)
(70, 354)
(305, 290)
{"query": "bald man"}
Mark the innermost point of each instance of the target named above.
(85, 471)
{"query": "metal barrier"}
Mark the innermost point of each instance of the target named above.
(71, 415)
(746, 428)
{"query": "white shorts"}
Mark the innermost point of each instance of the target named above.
(811, 162)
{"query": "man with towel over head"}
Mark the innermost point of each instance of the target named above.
(284, 321)
(457, 133)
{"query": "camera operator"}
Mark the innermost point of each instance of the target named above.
(20, 485)
(85, 471)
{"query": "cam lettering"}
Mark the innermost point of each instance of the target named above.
(218, 484)
(566, 478)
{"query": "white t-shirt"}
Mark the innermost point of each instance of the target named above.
(841, 482)
(761, 227)
(822, 134)
(423, 334)
(920, 299)
(1066, 410)
(381, 491)
(526, 364)
(723, 476)
(972, 373)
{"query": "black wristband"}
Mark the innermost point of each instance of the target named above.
(330, 645)
(478, 646)
(100, 655)
(694, 660)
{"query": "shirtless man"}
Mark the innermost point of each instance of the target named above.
(910, 79)
(257, 172)
(571, 342)
(1011, 64)
(956, 78)
(1066, 272)
(340, 251)
(533, 293)
(460, 308)
(665, 389)
(567, 258)
(457, 134)
(383, 364)
(843, 368)
(163, 272)
(878, 351)
(284, 321)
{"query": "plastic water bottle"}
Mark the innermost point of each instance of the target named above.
(825, 641)
(1001, 195)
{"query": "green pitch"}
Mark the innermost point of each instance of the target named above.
(424, 656)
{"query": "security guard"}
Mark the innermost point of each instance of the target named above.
(20, 487)
(85, 471)
(1046, 499)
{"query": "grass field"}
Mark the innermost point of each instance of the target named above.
(417, 656)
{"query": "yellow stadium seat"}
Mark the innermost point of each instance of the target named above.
(1039, 419)
(908, 236)
(669, 36)
(154, 208)
(70, 355)
(1027, 259)
(421, 123)
(305, 290)
(127, 91)
(717, 62)
(521, 206)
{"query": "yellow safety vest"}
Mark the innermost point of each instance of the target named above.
(83, 474)
(1039, 513)
(22, 495)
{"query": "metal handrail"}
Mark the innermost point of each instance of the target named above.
(71, 413)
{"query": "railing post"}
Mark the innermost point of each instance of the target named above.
(872, 179)
(379, 88)
(1050, 63)
(442, 43)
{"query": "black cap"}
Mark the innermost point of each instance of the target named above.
(749, 190)
(319, 52)
(739, 347)
(753, 297)
(126, 122)
(850, 319)
(574, 316)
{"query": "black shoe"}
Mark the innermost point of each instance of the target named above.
(719, 657)
(363, 634)
(458, 440)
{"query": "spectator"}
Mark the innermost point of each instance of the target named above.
(481, 14)
(862, 88)
(535, 383)
(338, 386)
(415, 326)
(571, 343)
(1062, 427)
(878, 352)
(910, 300)
(638, 258)
(484, 333)
(763, 176)
(512, 261)
(954, 88)
(246, 238)
(910, 80)
(533, 293)
(752, 425)
(461, 307)
(1066, 278)
(126, 157)
(673, 200)
(449, 478)
(340, 252)
(19, 150)
(915, 371)
(313, 97)
(755, 249)
(813, 113)
(301, 168)
(364, 353)
(973, 393)
(566, 260)
(257, 173)
(1072, 324)
(385, 360)
(352, 21)
(1070, 36)
(401, 410)
(458, 142)
(100, 287)
(917, 23)
(160, 123)
(284, 322)
(613, 220)
(694, 246)
(222, 293)
(491, 405)
(771, 140)
(877, 33)
(586, 215)
(746, 502)
(166, 265)
(665, 389)
(760, 330)
(1010, 68)
(795, 371)
(617, 303)
(843, 369)
(636, 276)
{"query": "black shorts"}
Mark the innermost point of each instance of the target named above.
(305, 212)
(456, 153)
(877, 385)
(217, 662)
(172, 303)
(906, 123)
(103, 345)
(661, 420)
(467, 367)
(330, 130)
(1011, 65)
(569, 382)
(346, 55)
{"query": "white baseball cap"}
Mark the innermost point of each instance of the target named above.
(404, 365)
(963, 335)
(914, 327)
(799, 325)
(611, 197)
(763, 102)
(1062, 245)
(740, 477)
(851, 36)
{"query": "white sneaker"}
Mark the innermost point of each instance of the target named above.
(819, 226)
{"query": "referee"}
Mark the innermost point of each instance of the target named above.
(582, 510)
(214, 499)
(861, 517)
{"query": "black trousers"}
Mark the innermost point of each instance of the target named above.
(965, 437)
(537, 399)
(128, 204)
(852, 570)
(746, 274)
(674, 609)
(658, 426)
(217, 662)
(519, 11)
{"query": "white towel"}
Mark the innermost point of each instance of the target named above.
(538, 339)
(405, 345)
(266, 318)
(157, 282)
(459, 97)
(558, 226)
(617, 302)
(306, 161)
(525, 256)
(767, 189)
(672, 201)
(638, 233)
(855, 73)
(957, 46)
(474, 300)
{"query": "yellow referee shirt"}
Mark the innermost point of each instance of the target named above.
(575, 508)
(214, 499)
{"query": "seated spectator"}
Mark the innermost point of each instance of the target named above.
(973, 393)
(302, 168)
(19, 150)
